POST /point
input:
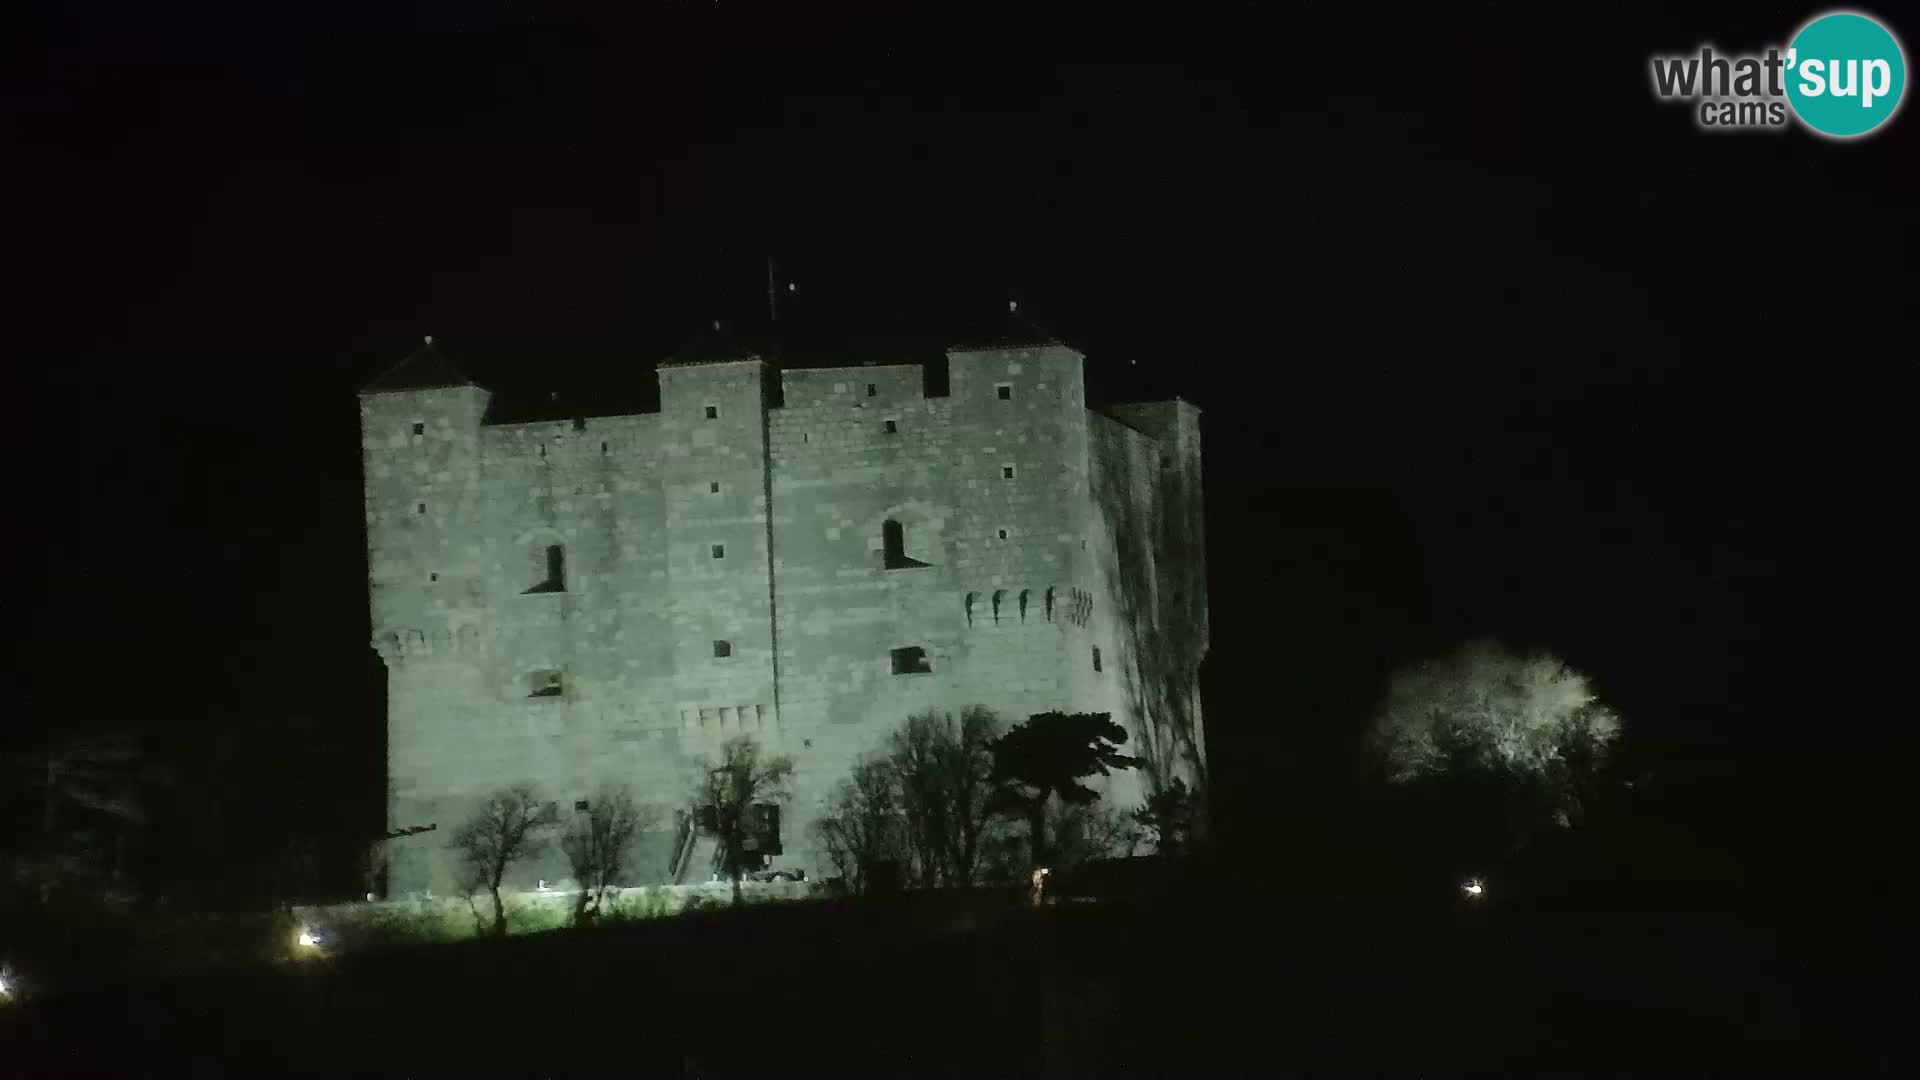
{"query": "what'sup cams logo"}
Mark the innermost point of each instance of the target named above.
(1843, 75)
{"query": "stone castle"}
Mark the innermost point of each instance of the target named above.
(809, 556)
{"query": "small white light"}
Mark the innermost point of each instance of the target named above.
(5, 986)
(1473, 888)
(307, 940)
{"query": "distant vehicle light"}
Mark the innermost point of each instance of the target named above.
(308, 939)
(1473, 888)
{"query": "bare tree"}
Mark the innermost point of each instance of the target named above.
(1166, 818)
(597, 843)
(729, 789)
(863, 826)
(1082, 832)
(944, 769)
(1527, 726)
(504, 830)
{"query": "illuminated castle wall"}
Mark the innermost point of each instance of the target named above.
(551, 598)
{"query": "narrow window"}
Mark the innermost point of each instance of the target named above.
(1003, 534)
(971, 597)
(893, 426)
(419, 508)
(1096, 658)
(766, 829)
(872, 389)
(713, 412)
(893, 546)
(419, 428)
(580, 804)
(1003, 391)
(1049, 604)
(556, 571)
(999, 595)
(435, 576)
(1023, 605)
(1006, 472)
(713, 488)
(722, 650)
(911, 660)
(544, 684)
(603, 448)
(543, 449)
(719, 551)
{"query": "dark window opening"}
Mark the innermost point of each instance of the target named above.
(872, 389)
(556, 579)
(893, 427)
(603, 448)
(893, 544)
(1003, 534)
(580, 804)
(1096, 658)
(420, 508)
(419, 428)
(579, 423)
(713, 412)
(1006, 472)
(435, 576)
(722, 649)
(911, 660)
(719, 551)
(1004, 392)
(1049, 605)
(999, 596)
(763, 837)
(543, 449)
(713, 488)
(545, 684)
(1023, 605)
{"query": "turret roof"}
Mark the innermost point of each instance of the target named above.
(427, 368)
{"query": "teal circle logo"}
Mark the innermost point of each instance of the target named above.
(1845, 74)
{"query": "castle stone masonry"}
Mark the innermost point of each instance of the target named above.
(809, 556)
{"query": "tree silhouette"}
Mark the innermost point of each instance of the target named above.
(731, 787)
(596, 844)
(863, 827)
(1048, 756)
(944, 770)
(502, 832)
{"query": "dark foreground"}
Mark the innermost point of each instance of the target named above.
(966, 986)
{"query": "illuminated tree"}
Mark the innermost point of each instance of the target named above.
(1048, 756)
(597, 843)
(1529, 725)
(503, 831)
(728, 790)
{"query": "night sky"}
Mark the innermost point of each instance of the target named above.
(1487, 339)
